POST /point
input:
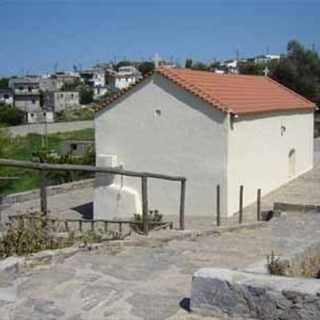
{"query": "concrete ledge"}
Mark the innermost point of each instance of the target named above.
(283, 206)
(234, 294)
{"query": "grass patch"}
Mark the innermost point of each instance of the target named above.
(24, 148)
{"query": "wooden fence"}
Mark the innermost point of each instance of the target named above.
(241, 192)
(43, 168)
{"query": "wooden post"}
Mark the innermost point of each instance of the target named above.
(241, 205)
(259, 204)
(218, 205)
(144, 189)
(80, 225)
(92, 225)
(43, 192)
(105, 226)
(120, 228)
(182, 203)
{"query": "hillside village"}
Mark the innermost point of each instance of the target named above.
(160, 188)
(42, 97)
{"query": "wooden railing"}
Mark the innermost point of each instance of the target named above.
(43, 168)
(79, 223)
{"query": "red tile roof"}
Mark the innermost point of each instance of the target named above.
(239, 94)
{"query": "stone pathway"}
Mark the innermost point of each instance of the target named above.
(150, 282)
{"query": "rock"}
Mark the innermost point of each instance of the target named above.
(227, 293)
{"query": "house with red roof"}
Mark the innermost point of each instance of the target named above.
(213, 129)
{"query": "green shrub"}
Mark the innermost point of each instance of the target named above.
(274, 265)
(153, 216)
(29, 236)
(11, 116)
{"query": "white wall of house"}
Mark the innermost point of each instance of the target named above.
(258, 153)
(123, 82)
(159, 127)
(66, 99)
(27, 103)
(40, 117)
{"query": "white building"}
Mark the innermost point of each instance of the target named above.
(213, 129)
(125, 77)
(26, 93)
(40, 117)
(266, 58)
(61, 100)
(6, 96)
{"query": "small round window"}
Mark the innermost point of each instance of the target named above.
(158, 112)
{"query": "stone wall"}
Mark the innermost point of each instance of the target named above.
(303, 262)
(23, 130)
(11, 199)
(243, 295)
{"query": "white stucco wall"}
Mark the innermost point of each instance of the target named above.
(258, 154)
(161, 128)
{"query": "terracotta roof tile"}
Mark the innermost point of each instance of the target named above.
(239, 94)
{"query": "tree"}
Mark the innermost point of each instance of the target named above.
(299, 70)
(4, 146)
(146, 67)
(11, 115)
(4, 83)
(86, 95)
(71, 86)
(252, 68)
(200, 66)
(124, 63)
(188, 64)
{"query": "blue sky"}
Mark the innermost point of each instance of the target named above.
(37, 34)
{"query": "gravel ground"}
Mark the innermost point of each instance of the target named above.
(149, 282)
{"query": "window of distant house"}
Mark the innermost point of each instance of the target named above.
(29, 89)
(73, 146)
(20, 88)
(6, 96)
(33, 101)
(44, 114)
(158, 112)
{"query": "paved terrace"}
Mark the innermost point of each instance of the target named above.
(150, 282)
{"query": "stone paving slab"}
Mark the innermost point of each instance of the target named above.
(149, 283)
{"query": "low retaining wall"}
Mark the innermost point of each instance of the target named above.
(242, 295)
(11, 199)
(303, 262)
(55, 127)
